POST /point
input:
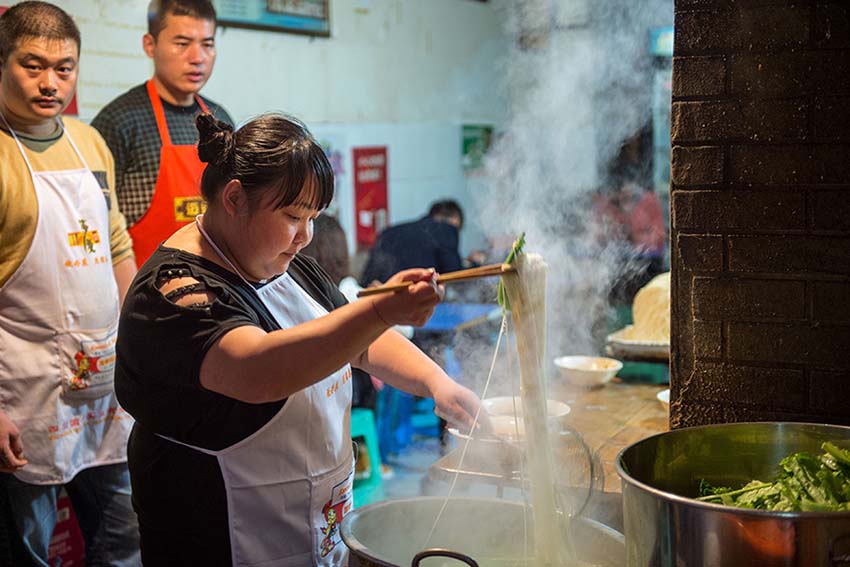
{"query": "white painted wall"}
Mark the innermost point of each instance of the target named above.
(402, 73)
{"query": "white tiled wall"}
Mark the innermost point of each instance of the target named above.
(401, 73)
(424, 165)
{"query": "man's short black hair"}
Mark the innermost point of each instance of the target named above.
(35, 19)
(444, 209)
(159, 9)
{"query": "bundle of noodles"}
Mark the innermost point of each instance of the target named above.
(526, 290)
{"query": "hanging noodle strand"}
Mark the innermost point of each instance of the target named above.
(502, 329)
(526, 290)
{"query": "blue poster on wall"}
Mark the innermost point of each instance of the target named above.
(295, 16)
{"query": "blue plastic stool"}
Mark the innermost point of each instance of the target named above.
(369, 488)
(423, 420)
(394, 425)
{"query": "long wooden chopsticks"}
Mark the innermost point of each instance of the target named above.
(450, 277)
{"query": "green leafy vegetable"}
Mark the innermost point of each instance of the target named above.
(805, 483)
(516, 249)
(840, 455)
(707, 489)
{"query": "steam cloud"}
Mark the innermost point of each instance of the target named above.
(579, 78)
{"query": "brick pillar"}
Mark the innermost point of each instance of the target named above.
(760, 212)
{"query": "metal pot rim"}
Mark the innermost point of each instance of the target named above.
(684, 500)
(356, 546)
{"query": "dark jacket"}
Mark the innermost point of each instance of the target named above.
(425, 243)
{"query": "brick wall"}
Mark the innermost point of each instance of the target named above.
(760, 211)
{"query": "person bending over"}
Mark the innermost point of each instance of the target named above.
(235, 354)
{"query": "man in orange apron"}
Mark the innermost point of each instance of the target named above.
(151, 130)
(65, 262)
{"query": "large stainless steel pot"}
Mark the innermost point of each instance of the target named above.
(486, 532)
(663, 526)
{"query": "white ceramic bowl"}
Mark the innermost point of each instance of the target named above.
(502, 447)
(506, 416)
(507, 420)
(588, 371)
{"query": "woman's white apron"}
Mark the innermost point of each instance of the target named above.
(58, 321)
(290, 483)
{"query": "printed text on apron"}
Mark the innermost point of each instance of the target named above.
(58, 321)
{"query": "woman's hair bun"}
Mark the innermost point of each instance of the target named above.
(215, 142)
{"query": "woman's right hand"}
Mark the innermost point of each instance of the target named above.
(411, 306)
(11, 447)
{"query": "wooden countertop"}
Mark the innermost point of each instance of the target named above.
(613, 417)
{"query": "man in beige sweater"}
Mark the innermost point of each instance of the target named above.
(66, 262)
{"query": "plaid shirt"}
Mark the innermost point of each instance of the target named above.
(129, 127)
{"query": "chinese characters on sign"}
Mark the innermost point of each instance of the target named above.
(370, 193)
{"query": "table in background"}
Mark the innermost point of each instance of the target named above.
(455, 317)
(437, 336)
(613, 417)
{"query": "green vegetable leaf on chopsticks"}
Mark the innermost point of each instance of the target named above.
(502, 295)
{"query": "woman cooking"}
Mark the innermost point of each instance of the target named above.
(235, 356)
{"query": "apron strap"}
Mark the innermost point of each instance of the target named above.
(24, 154)
(199, 449)
(198, 221)
(159, 113)
(73, 145)
(201, 104)
(18, 143)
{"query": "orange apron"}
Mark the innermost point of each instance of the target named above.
(177, 194)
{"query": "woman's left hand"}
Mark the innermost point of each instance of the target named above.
(458, 406)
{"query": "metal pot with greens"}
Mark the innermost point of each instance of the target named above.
(766, 494)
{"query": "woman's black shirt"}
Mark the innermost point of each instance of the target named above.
(178, 492)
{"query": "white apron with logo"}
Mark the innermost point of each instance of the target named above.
(290, 483)
(58, 319)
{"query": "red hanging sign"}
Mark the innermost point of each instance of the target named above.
(370, 193)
